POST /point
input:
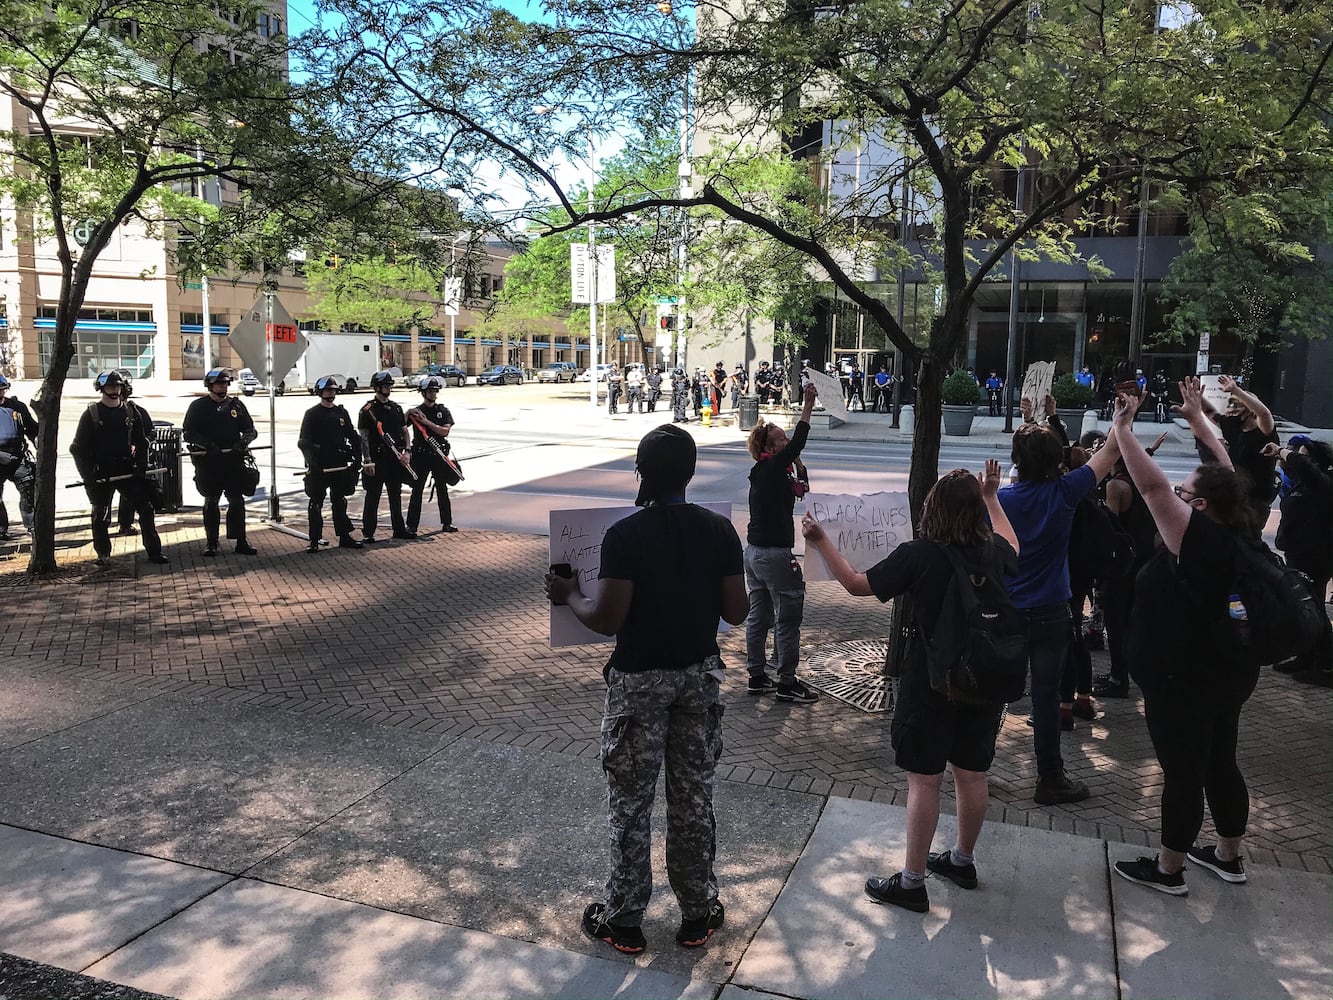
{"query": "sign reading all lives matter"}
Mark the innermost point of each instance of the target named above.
(864, 529)
(576, 538)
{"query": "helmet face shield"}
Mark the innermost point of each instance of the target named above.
(216, 375)
(4, 382)
(326, 383)
(108, 381)
(431, 384)
(381, 380)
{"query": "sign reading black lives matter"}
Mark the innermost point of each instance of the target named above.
(864, 529)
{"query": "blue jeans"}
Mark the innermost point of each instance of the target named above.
(777, 602)
(1048, 643)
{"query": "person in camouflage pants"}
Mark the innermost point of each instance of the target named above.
(667, 574)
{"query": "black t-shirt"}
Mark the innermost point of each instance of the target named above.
(1179, 604)
(1306, 529)
(111, 440)
(676, 555)
(922, 568)
(436, 413)
(1245, 448)
(772, 501)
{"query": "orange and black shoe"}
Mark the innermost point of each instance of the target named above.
(630, 940)
(694, 931)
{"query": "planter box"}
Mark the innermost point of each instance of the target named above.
(958, 420)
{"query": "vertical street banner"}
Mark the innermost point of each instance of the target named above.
(580, 274)
(453, 295)
(864, 529)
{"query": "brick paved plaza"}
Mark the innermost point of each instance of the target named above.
(348, 635)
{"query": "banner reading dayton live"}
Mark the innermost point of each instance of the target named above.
(864, 529)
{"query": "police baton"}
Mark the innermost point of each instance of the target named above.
(118, 479)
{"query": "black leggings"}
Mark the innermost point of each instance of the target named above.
(1076, 678)
(1194, 728)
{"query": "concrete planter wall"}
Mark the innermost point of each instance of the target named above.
(958, 420)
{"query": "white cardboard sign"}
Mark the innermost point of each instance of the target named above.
(830, 393)
(1037, 383)
(864, 529)
(576, 538)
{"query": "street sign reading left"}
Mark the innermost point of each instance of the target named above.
(251, 336)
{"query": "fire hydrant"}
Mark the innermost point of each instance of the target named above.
(706, 412)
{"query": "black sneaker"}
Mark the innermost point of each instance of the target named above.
(366, 539)
(890, 890)
(796, 692)
(1086, 710)
(406, 536)
(246, 549)
(1109, 688)
(348, 542)
(762, 684)
(1144, 872)
(1055, 789)
(1228, 871)
(211, 550)
(313, 546)
(449, 528)
(963, 876)
(158, 560)
(630, 940)
(694, 931)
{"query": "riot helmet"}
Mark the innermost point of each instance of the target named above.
(326, 382)
(107, 380)
(227, 375)
(4, 382)
(431, 384)
(381, 380)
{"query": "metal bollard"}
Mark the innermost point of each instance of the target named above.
(907, 420)
(1089, 422)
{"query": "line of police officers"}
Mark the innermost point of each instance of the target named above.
(112, 444)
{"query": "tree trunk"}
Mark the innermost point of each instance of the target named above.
(43, 557)
(926, 435)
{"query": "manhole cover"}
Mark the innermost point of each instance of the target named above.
(853, 672)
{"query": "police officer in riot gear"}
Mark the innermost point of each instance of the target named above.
(330, 445)
(17, 428)
(110, 449)
(384, 457)
(217, 429)
(431, 422)
(125, 511)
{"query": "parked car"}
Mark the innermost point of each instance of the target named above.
(451, 374)
(558, 371)
(501, 375)
(587, 374)
(250, 383)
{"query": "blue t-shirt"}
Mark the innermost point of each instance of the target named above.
(1084, 378)
(994, 383)
(1042, 515)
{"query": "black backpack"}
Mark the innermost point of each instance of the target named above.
(1273, 613)
(979, 652)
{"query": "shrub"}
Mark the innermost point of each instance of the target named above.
(960, 389)
(1069, 395)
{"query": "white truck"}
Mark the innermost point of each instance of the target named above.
(351, 358)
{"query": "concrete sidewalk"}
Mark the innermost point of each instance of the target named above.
(197, 847)
(292, 775)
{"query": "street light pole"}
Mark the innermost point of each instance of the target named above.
(592, 280)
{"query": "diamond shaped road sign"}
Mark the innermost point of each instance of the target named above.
(250, 337)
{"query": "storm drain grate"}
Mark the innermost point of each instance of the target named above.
(853, 672)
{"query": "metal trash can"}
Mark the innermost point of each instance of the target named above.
(165, 453)
(748, 412)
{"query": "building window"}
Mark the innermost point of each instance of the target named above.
(270, 25)
(102, 350)
(105, 314)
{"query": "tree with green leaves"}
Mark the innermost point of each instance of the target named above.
(379, 294)
(124, 110)
(999, 128)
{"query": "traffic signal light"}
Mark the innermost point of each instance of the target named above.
(332, 262)
(668, 322)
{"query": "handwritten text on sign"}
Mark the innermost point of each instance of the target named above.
(576, 538)
(864, 529)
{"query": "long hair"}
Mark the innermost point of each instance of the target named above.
(1037, 453)
(954, 513)
(1227, 493)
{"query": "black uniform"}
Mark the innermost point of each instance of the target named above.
(17, 428)
(654, 389)
(328, 441)
(125, 512)
(113, 442)
(680, 396)
(425, 461)
(376, 421)
(216, 427)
